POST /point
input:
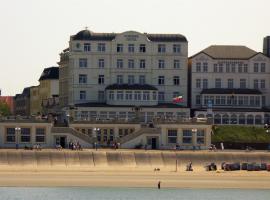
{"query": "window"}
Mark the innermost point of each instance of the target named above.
(130, 63)
(87, 47)
(176, 48)
(101, 95)
(119, 48)
(82, 95)
(240, 68)
(111, 95)
(119, 79)
(176, 80)
(142, 48)
(262, 84)
(101, 79)
(154, 96)
(176, 64)
(205, 67)
(172, 136)
(198, 83)
(10, 137)
(215, 68)
(141, 79)
(220, 68)
(198, 67)
(230, 83)
(161, 96)
(187, 137)
(119, 63)
(245, 100)
(82, 78)
(198, 99)
(243, 83)
(128, 95)
(240, 100)
(161, 48)
(252, 100)
(161, 80)
(257, 101)
(218, 83)
(120, 95)
(82, 62)
(200, 136)
(262, 67)
(146, 95)
(256, 83)
(137, 95)
(233, 68)
(131, 79)
(256, 67)
(25, 135)
(131, 48)
(217, 98)
(245, 68)
(142, 64)
(161, 64)
(205, 83)
(40, 135)
(101, 47)
(101, 63)
(263, 100)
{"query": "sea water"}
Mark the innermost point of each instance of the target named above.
(83, 193)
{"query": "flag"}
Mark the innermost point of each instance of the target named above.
(178, 99)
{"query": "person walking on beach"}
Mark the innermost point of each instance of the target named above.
(159, 185)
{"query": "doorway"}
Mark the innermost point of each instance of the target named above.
(61, 140)
(153, 142)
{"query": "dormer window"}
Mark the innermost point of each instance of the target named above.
(87, 47)
(142, 48)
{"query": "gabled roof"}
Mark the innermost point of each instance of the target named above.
(50, 73)
(228, 52)
(230, 91)
(130, 87)
(89, 35)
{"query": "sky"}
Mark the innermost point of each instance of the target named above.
(34, 32)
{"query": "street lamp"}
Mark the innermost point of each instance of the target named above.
(267, 127)
(95, 131)
(194, 131)
(17, 132)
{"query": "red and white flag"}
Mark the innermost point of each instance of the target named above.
(178, 99)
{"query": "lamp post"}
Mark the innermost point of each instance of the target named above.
(95, 132)
(267, 127)
(17, 132)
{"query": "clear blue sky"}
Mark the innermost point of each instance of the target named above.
(34, 32)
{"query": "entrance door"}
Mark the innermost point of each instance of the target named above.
(154, 143)
(63, 142)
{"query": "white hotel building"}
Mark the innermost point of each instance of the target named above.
(231, 84)
(114, 75)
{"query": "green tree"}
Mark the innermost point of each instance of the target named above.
(4, 109)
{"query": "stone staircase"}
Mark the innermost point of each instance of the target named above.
(139, 132)
(73, 132)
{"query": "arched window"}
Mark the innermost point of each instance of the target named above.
(258, 119)
(225, 119)
(242, 119)
(217, 119)
(233, 119)
(250, 119)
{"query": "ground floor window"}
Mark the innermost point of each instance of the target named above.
(10, 137)
(40, 135)
(25, 135)
(187, 136)
(200, 136)
(172, 136)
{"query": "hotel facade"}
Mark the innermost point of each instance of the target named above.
(109, 75)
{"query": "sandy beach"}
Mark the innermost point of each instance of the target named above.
(200, 179)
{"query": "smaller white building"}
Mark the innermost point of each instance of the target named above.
(231, 85)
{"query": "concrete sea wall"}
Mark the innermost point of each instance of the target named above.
(90, 160)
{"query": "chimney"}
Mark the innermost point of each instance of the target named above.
(266, 46)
